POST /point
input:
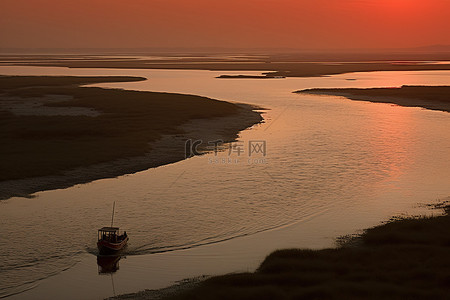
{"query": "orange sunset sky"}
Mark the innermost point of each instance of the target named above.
(315, 24)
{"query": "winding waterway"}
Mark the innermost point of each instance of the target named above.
(332, 167)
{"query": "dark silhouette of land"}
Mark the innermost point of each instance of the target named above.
(115, 126)
(287, 65)
(430, 97)
(406, 258)
(244, 77)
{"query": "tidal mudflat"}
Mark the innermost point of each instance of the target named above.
(59, 133)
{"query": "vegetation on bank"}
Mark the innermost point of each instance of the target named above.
(431, 97)
(427, 93)
(403, 259)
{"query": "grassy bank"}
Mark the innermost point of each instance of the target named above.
(431, 97)
(126, 125)
(403, 259)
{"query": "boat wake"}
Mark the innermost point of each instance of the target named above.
(154, 248)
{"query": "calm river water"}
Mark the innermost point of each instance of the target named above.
(332, 167)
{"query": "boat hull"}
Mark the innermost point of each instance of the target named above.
(107, 248)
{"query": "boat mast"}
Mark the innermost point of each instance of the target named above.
(112, 218)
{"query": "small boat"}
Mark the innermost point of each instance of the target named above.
(110, 241)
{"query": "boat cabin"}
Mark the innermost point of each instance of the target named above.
(110, 234)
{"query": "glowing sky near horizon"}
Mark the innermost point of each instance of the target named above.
(314, 24)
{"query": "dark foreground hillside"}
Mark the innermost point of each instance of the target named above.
(403, 259)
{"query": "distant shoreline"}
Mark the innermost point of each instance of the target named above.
(132, 131)
(249, 77)
(429, 97)
(271, 66)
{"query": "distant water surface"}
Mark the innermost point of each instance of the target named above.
(333, 166)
